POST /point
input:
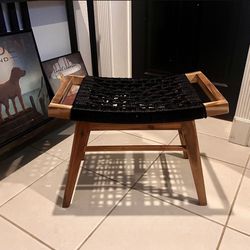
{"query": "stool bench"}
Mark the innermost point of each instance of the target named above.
(160, 103)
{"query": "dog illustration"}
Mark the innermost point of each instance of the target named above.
(10, 90)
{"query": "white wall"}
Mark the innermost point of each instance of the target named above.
(82, 29)
(121, 38)
(113, 31)
(50, 27)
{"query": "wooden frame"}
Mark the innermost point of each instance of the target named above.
(24, 94)
(189, 146)
(218, 104)
(57, 108)
(186, 129)
(67, 65)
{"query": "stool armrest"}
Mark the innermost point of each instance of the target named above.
(218, 104)
(56, 107)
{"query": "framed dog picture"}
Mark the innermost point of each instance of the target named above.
(23, 92)
(68, 65)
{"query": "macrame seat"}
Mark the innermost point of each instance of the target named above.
(162, 103)
(126, 100)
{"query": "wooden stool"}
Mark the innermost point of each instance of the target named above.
(61, 107)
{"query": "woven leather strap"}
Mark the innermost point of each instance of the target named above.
(126, 100)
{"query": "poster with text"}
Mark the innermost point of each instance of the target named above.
(68, 65)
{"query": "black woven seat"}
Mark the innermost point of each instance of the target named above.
(127, 100)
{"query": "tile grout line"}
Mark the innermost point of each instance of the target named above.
(238, 231)
(198, 140)
(159, 153)
(222, 138)
(123, 184)
(198, 132)
(26, 232)
(102, 220)
(46, 152)
(113, 208)
(173, 139)
(183, 208)
(129, 189)
(157, 197)
(146, 170)
(202, 155)
(16, 225)
(169, 202)
(141, 137)
(132, 188)
(89, 142)
(227, 162)
(232, 205)
(44, 176)
(30, 185)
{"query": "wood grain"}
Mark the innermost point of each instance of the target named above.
(190, 135)
(183, 143)
(79, 145)
(218, 104)
(137, 148)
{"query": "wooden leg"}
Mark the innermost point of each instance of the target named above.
(190, 136)
(183, 143)
(80, 141)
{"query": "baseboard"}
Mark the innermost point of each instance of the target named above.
(240, 132)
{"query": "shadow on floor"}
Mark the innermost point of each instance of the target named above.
(107, 178)
(22, 155)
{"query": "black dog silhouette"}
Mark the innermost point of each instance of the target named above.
(10, 90)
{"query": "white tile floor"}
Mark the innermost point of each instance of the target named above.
(128, 200)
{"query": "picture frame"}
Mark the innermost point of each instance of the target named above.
(66, 65)
(23, 92)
